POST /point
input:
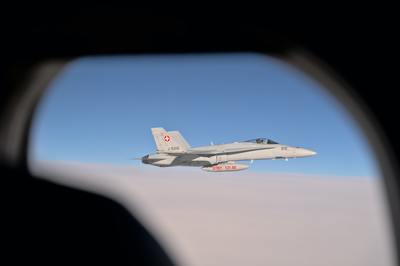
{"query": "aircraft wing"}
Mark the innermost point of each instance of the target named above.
(225, 151)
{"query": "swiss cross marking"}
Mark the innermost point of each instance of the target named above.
(167, 138)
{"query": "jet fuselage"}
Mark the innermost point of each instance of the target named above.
(173, 150)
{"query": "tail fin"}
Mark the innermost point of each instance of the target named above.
(169, 142)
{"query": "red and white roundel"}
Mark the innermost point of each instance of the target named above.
(167, 138)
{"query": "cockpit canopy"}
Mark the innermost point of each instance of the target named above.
(262, 141)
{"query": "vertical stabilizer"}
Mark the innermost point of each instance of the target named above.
(169, 142)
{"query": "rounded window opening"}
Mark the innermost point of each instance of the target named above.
(240, 157)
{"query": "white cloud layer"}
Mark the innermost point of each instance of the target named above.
(245, 218)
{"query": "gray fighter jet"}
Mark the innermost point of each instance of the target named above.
(173, 150)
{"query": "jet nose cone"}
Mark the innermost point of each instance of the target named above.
(301, 152)
(310, 152)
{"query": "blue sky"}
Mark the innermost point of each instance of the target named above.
(101, 109)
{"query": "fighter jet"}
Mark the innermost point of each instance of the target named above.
(173, 150)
